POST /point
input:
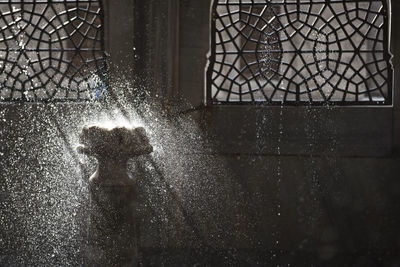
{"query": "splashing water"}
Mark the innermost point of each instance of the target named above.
(43, 210)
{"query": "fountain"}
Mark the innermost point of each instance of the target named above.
(113, 193)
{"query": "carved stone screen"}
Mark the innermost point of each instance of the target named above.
(300, 52)
(51, 50)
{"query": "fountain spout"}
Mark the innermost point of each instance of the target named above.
(113, 194)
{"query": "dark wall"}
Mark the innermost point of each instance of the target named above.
(333, 171)
(396, 62)
(309, 185)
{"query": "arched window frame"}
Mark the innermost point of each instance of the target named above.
(75, 31)
(211, 95)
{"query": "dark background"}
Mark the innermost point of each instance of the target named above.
(339, 180)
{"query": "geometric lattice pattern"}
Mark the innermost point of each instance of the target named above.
(51, 50)
(300, 51)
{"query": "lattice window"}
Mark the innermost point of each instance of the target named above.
(300, 51)
(51, 50)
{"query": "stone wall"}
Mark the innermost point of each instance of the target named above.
(333, 170)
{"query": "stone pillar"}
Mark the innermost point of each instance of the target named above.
(112, 231)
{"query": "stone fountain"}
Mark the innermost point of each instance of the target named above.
(113, 194)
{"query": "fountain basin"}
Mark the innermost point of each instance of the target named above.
(113, 148)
